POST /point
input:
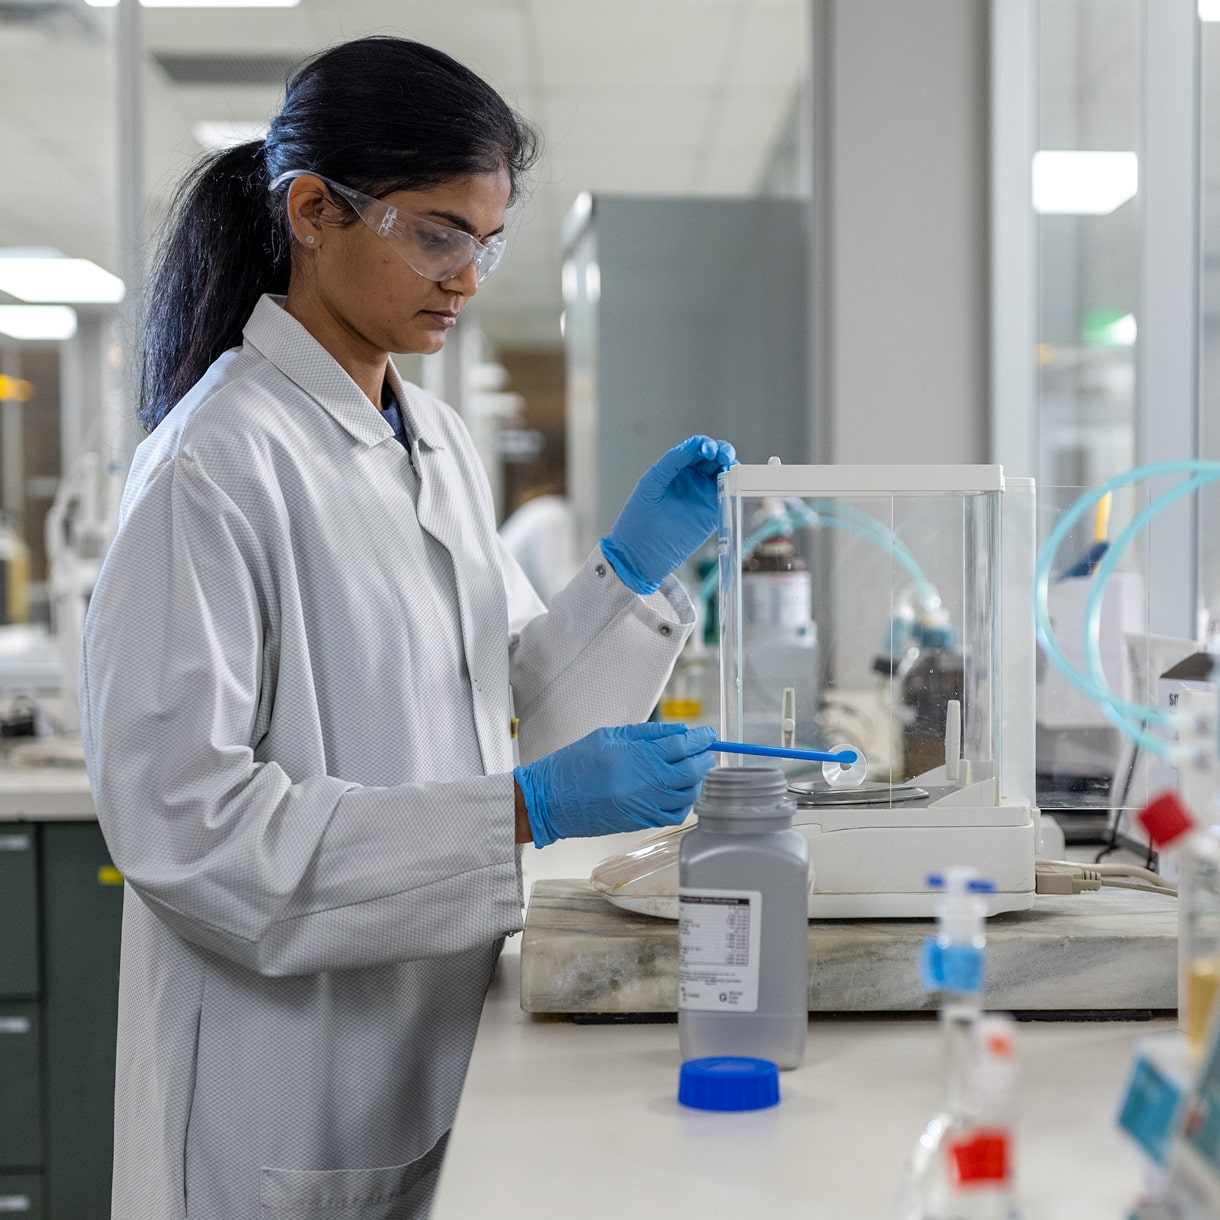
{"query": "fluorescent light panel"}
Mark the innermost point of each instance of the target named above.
(37, 321)
(32, 276)
(1083, 183)
(1122, 332)
(201, 3)
(224, 133)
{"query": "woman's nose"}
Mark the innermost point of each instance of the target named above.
(465, 281)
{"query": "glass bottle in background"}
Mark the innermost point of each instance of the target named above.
(935, 677)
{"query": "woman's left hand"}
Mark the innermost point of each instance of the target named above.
(670, 513)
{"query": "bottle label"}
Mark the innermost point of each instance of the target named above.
(981, 1156)
(719, 933)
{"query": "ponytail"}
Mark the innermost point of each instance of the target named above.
(221, 252)
(379, 114)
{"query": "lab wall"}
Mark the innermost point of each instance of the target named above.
(905, 197)
(683, 316)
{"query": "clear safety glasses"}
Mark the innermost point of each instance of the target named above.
(433, 250)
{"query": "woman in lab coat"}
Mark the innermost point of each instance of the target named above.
(303, 653)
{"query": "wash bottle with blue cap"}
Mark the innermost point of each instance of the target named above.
(962, 1166)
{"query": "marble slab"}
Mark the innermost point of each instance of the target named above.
(1108, 951)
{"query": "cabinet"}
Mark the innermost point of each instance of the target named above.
(683, 315)
(60, 917)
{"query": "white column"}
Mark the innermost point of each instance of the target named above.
(1013, 407)
(1167, 394)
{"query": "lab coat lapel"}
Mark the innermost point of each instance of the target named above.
(447, 510)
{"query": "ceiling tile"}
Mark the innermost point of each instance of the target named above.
(631, 96)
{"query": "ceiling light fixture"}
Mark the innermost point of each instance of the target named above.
(201, 3)
(222, 133)
(45, 275)
(1083, 183)
(1209, 10)
(37, 321)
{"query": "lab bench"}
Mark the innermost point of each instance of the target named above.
(60, 919)
(576, 1115)
(561, 1119)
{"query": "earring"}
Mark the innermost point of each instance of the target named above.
(309, 241)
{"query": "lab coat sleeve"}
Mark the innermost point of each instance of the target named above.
(286, 875)
(600, 655)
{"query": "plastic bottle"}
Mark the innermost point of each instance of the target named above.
(743, 927)
(935, 677)
(961, 1168)
(1171, 827)
(979, 1157)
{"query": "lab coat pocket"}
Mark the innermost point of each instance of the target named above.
(392, 1192)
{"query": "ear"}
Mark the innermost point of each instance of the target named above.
(307, 204)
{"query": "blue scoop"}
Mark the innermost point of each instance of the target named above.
(843, 757)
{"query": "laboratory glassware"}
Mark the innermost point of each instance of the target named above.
(962, 1167)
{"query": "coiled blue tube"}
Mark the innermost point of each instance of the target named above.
(1122, 713)
(836, 516)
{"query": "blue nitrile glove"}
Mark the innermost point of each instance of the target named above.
(669, 515)
(625, 778)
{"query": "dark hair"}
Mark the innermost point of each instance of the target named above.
(379, 114)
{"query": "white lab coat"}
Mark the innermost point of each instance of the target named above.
(296, 687)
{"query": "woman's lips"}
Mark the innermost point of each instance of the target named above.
(442, 317)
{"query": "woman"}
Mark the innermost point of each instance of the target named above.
(301, 658)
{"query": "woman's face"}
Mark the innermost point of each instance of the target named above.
(355, 293)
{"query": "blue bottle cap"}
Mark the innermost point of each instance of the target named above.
(728, 1082)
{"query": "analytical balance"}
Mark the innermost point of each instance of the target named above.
(819, 565)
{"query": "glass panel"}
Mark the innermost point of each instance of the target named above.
(1089, 101)
(858, 617)
(1209, 339)
(1087, 768)
(1089, 76)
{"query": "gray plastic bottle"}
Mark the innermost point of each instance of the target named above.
(743, 930)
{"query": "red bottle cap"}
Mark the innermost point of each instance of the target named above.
(1165, 819)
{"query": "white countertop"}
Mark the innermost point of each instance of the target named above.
(563, 1120)
(39, 793)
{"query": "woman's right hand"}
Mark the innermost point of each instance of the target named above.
(629, 777)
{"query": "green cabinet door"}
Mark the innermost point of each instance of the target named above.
(18, 911)
(21, 1196)
(21, 1113)
(82, 916)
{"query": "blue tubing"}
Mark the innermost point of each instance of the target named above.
(853, 521)
(1119, 711)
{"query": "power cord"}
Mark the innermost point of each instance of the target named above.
(1070, 877)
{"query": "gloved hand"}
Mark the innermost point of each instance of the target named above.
(670, 513)
(624, 778)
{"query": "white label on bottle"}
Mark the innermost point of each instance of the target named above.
(719, 932)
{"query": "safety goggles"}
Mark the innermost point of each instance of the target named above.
(435, 251)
